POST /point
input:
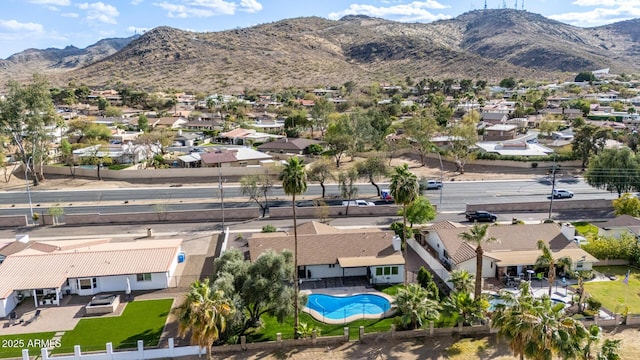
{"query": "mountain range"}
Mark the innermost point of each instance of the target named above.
(312, 51)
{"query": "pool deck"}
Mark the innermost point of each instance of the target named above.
(348, 291)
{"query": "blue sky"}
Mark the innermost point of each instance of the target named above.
(57, 23)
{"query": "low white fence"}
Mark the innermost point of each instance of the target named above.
(138, 354)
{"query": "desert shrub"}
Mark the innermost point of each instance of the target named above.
(269, 228)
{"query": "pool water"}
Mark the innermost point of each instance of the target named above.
(341, 307)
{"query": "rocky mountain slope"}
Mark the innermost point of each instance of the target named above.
(485, 44)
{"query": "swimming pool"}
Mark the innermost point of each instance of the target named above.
(343, 307)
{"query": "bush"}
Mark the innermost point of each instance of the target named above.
(534, 165)
(593, 304)
(269, 229)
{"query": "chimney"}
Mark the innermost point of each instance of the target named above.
(569, 231)
(396, 243)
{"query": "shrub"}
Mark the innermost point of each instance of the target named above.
(534, 165)
(269, 229)
(593, 304)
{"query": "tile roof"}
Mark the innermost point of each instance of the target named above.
(40, 267)
(218, 157)
(620, 221)
(318, 245)
(288, 144)
(510, 238)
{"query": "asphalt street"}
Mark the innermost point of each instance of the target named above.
(453, 197)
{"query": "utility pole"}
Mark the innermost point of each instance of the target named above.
(221, 192)
(26, 181)
(553, 184)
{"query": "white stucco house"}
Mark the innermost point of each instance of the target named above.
(328, 252)
(45, 271)
(512, 254)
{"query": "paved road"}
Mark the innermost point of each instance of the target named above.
(453, 197)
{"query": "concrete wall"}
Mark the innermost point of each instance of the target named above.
(433, 263)
(334, 211)
(160, 217)
(150, 174)
(8, 221)
(542, 206)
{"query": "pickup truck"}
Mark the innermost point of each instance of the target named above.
(481, 216)
(432, 184)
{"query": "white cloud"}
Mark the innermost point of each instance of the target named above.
(51, 2)
(136, 2)
(250, 6)
(606, 2)
(414, 11)
(197, 8)
(14, 26)
(100, 12)
(70, 15)
(618, 10)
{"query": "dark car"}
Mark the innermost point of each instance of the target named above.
(481, 216)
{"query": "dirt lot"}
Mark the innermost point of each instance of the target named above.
(426, 348)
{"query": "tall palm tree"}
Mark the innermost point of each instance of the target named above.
(404, 190)
(477, 236)
(416, 304)
(294, 182)
(204, 313)
(547, 260)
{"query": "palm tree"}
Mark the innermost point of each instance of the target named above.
(294, 182)
(536, 328)
(204, 313)
(462, 280)
(404, 189)
(415, 304)
(464, 307)
(547, 260)
(477, 236)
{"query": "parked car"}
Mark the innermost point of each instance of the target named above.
(481, 216)
(562, 194)
(580, 240)
(358, 203)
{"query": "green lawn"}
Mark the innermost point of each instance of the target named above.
(615, 294)
(12, 345)
(586, 229)
(271, 326)
(141, 320)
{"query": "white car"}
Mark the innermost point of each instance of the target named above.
(358, 203)
(580, 240)
(562, 194)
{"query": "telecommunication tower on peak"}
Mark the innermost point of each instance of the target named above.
(504, 4)
(485, 4)
(522, 4)
(516, 6)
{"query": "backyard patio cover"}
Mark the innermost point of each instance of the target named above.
(360, 261)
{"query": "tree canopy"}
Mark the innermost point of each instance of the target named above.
(615, 170)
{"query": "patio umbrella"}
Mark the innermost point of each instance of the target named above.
(128, 290)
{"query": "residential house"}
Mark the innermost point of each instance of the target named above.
(494, 118)
(515, 148)
(328, 252)
(290, 146)
(45, 271)
(623, 224)
(234, 157)
(514, 252)
(127, 153)
(242, 136)
(500, 132)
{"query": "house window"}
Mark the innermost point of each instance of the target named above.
(379, 271)
(579, 265)
(445, 254)
(394, 270)
(387, 270)
(143, 277)
(332, 265)
(87, 284)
